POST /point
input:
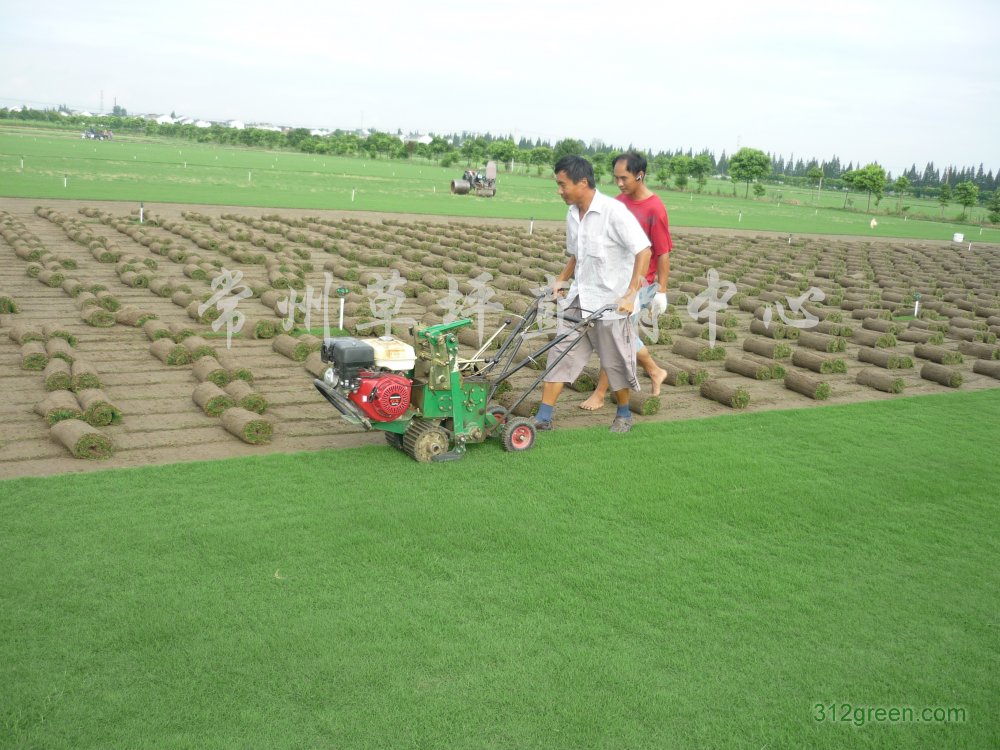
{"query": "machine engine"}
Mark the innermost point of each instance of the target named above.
(369, 373)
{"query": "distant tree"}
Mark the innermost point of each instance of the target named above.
(966, 193)
(119, 111)
(944, 197)
(994, 207)
(748, 165)
(541, 156)
(474, 151)
(814, 175)
(701, 168)
(503, 151)
(759, 190)
(450, 158)
(567, 147)
(871, 179)
(661, 168)
(901, 187)
(680, 168)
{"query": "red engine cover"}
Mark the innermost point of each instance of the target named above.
(384, 397)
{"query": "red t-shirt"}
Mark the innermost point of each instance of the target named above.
(652, 216)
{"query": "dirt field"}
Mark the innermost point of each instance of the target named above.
(161, 423)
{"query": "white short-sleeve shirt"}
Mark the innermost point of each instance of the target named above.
(605, 244)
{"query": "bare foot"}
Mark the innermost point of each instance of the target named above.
(657, 376)
(596, 401)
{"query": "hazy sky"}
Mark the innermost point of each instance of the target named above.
(898, 81)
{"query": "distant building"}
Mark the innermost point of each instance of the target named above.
(235, 124)
(416, 138)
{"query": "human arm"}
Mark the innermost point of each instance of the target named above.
(626, 304)
(560, 284)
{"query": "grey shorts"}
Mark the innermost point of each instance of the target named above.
(614, 342)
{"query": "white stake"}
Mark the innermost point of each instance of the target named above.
(340, 323)
(141, 211)
(65, 181)
(353, 191)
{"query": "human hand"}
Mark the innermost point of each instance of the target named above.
(659, 305)
(626, 305)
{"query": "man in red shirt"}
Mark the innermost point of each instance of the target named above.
(646, 206)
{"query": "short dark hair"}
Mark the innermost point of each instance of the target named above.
(634, 162)
(576, 168)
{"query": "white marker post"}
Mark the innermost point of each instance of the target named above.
(741, 216)
(916, 304)
(531, 225)
(342, 292)
(141, 212)
(353, 191)
(249, 177)
(65, 181)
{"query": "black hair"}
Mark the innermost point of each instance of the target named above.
(576, 168)
(635, 163)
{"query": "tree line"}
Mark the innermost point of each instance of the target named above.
(679, 169)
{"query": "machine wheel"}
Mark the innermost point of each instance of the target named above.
(424, 439)
(394, 439)
(498, 412)
(518, 434)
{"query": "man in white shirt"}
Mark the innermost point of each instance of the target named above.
(608, 257)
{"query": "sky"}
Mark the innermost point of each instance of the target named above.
(897, 82)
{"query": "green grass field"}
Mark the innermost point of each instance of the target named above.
(771, 565)
(61, 165)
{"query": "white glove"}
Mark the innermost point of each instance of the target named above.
(659, 305)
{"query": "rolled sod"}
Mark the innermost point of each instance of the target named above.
(199, 314)
(161, 287)
(209, 369)
(643, 404)
(55, 330)
(881, 325)
(315, 366)
(51, 278)
(772, 330)
(817, 362)
(58, 375)
(211, 399)
(807, 385)
(698, 350)
(181, 331)
(822, 342)
(98, 411)
(290, 347)
(271, 298)
(156, 329)
(84, 376)
(888, 360)
(231, 364)
(979, 351)
(247, 426)
(586, 381)
(84, 300)
(916, 336)
(867, 312)
(22, 333)
(170, 353)
(986, 367)
(82, 440)
(8, 304)
(766, 348)
(246, 397)
(938, 354)
(97, 317)
(776, 368)
(733, 396)
(315, 343)
(880, 380)
(263, 329)
(938, 373)
(59, 347)
(695, 375)
(103, 255)
(108, 301)
(198, 347)
(181, 298)
(135, 280)
(34, 356)
(57, 406)
(133, 316)
(193, 271)
(747, 368)
(874, 339)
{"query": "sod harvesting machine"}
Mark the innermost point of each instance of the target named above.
(484, 185)
(429, 402)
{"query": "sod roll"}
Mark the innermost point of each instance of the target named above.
(888, 360)
(916, 336)
(315, 366)
(98, 410)
(698, 350)
(170, 353)
(986, 367)
(82, 440)
(262, 329)
(181, 331)
(767, 348)
(231, 364)
(874, 339)
(58, 375)
(291, 347)
(245, 396)
(97, 317)
(33, 356)
(644, 405)
(84, 376)
(733, 396)
(938, 354)
(59, 347)
(57, 406)
(161, 287)
(823, 342)
(586, 381)
(807, 385)
(772, 330)
(979, 351)
(817, 362)
(880, 380)
(747, 368)
(247, 426)
(198, 347)
(85, 300)
(211, 399)
(696, 375)
(22, 333)
(209, 369)
(939, 373)
(133, 316)
(8, 304)
(108, 301)
(181, 298)
(776, 368)
(55, 330)
(156, 329)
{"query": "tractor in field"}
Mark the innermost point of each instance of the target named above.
(427, 400)
(483, 184)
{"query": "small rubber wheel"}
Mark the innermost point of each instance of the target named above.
(518, 435)
(499, 413)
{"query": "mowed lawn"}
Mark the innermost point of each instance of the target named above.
(706, 583)
(46, 164)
